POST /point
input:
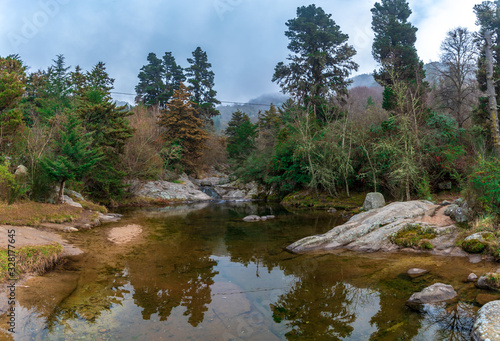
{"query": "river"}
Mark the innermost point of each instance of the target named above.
(198, 272)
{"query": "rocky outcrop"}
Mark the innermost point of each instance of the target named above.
(185, 190)
(487, 324)
(371, 231)
(373, 200)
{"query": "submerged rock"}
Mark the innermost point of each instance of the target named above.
(437, 292)
(487, 324)
(373, 200)
(371, 231)
(416, 272)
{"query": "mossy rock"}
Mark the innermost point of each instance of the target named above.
(414, 236)
(480, 242)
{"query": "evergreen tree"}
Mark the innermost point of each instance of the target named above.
(182, 126)
(173, 76)
(110, 130)
(394, 47)
(73, 156)
(151, 84)
(12, 87)
(202, 83)
(321, 61)
(241, 134)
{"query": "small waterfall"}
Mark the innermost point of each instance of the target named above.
(209, 190)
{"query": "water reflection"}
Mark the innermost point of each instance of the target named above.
(200, 272)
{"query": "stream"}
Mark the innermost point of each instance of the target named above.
(198, 272)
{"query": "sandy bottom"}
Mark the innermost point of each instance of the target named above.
(124, 234)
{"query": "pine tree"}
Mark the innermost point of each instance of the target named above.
(321, 60)
(74, 156)
(241, 134)
(110, 130)
(151, 84)
(182, 126)
(173, 76)
(202, 85)
(394, 47)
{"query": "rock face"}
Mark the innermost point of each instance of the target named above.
(168, 190)
(487, 324)
(373, 200)
(238, 191)
(435, 293)
(370, 231)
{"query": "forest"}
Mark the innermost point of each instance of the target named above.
(425, 129)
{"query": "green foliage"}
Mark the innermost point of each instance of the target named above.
(201, 80)
(241, 134)
(483, 187)
(394, 46)
(10, 188)
(158, 80)
(414, 235)
(473, 246)
(321, 60)
(73, 156)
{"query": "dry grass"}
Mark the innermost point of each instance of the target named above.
(34, 213)
(35, 259)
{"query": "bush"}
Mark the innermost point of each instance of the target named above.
(483, 187)
(10, 189)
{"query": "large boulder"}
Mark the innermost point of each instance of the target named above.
(373, 200)
(487, 324)
(371, 231)
(435, 293)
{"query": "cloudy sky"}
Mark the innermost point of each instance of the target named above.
(244, 39)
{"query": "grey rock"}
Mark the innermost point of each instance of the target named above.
(238, 191)
(252, 218)
(332, 210)
(373, 200)
(73, 194)
(165, 190)
(487, 323)
(68, 201)
(479, 236)
(445, 203)
(489, 281)
(445, 185)
(472, 277)
(416, 272)
(109, 217)
(437, 292)
(21, 171)
(456, 213)
(370, 231)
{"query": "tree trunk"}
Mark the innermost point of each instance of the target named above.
(61, 192)
(490, 83)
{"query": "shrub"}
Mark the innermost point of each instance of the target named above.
(483, 187)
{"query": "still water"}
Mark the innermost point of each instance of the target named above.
(198, 272)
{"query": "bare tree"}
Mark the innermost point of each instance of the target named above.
(457, 90)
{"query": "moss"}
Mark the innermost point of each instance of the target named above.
(36, 259)
(493, 280)
(415, 236)
(309, 199)
(473, 246)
